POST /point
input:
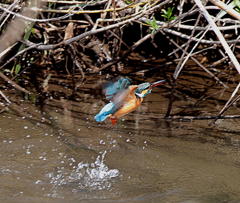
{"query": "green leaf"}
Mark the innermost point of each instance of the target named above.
(33, 30)
(168, 14)
(153, 25)
(17, 69)
(128, 1)
(164, 11)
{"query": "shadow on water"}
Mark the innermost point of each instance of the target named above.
(63, 155)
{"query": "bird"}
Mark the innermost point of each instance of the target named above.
(124, 98)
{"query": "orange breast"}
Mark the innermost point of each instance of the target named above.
(131, 103)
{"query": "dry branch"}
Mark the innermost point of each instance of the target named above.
(231, 100)
(198, 63)
(219, 35)
(226, 8)
(15, 85)
(104, 29)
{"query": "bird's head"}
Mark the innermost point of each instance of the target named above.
(145, 88)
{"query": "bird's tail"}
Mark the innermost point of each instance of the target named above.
(101, 117)
(106, 111)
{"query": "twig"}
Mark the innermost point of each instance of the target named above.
(24, 17)
(219, 35)
(226, 8)
(229, 102)
(190, 27)
(203, 41)
(183, 60)
(92, 11)
(16, 55)
(2, 54)
(199, 64)
(195, 53)
(92, 32)
(15, 85)
(95, 3)
(4, 96)
(9, 8)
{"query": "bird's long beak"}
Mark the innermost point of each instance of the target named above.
(155, 84)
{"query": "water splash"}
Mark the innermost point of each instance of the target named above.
(87, 176)
(97, 175)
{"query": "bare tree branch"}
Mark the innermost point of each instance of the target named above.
(219, 35)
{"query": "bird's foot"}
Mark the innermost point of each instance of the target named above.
(113, 120)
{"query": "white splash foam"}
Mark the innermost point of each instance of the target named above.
(91, 176)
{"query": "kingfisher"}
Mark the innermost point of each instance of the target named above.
(124, 98)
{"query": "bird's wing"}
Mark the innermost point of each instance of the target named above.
(116, 92)
(112, 107)
(115, 88)
(123, 96)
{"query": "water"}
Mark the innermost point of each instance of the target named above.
(93, 176)
(63, 155)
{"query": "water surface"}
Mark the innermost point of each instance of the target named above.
(60, 154)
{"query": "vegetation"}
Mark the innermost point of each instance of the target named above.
(83, 38)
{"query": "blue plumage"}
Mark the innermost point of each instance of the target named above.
(112, 89)
(108, 109)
